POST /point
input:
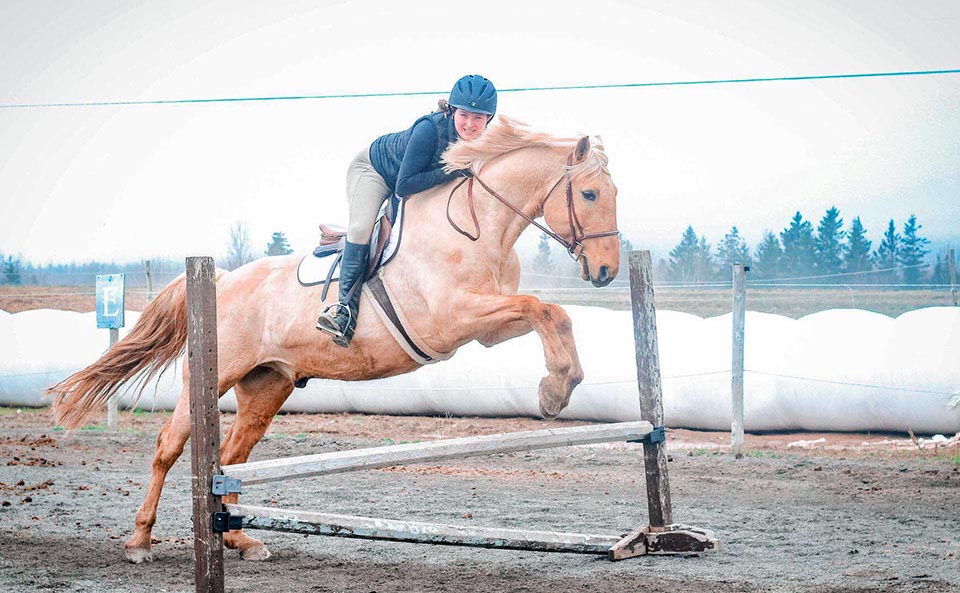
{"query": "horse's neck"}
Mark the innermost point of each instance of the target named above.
(522, 178)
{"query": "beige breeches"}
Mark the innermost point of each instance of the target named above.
(366, 191)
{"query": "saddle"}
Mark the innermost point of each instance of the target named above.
(321, 268)
(323, 265)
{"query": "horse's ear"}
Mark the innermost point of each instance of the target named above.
(583, 147)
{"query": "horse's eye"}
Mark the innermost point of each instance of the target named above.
(589, 195)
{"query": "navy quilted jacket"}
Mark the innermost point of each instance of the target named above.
(409, 161)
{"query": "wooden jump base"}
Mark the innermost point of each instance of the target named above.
(680, 539)
(212, 518)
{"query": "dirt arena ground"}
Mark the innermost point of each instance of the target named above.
(801, 512)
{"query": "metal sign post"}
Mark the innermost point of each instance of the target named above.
(110, 307)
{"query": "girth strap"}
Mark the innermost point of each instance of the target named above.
(397, 324)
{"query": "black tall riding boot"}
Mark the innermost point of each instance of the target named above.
(340, 319)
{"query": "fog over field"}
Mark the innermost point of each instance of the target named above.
(116, 182)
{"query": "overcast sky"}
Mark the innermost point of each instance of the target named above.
(129, 182)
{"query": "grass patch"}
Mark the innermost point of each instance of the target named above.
(281, 435)
(763, 454)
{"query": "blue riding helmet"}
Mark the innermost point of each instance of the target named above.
(474, 93)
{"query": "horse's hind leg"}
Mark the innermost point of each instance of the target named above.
(259, 397)
(170, 442)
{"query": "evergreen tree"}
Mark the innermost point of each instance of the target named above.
(690, 260)
(799, 248)
(856, 255)
(941, 271)
(829, 243)
(11, 269)
(733, 250)
(543, 262)
(769, 256)
(661, 273)
(278, 245)
(885, 256)
(683, 257)
(913, 248)
(705, 269)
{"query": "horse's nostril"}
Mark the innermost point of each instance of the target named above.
(604, 272)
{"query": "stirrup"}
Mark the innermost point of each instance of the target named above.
(335, 332)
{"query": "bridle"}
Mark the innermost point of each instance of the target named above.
(574, 247)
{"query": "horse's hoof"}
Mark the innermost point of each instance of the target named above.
(138, 555)
(551, 399)
(255, 553)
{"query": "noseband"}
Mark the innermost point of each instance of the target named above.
(574, 247)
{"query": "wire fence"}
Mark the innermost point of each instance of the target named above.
(524, 89)
(706, 299)
(792, 296)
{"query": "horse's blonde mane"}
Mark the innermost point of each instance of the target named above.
(509, 135)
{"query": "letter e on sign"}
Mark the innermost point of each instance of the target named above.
(110, 300)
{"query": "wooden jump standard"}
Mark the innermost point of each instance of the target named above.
(210, 481)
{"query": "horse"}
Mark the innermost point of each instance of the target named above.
(454, 286)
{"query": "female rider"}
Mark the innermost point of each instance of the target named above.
(404, 163)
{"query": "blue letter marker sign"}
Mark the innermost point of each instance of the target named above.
(110, 301)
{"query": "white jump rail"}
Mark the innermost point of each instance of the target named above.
(306, 466)
(314, 523)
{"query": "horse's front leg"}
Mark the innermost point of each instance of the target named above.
(496, 318)
(505, 332)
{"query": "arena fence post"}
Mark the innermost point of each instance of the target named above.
(736, 376)
(113, 415)
(205, 422)
(146, 266)
(952, 257)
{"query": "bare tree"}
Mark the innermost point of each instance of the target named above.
(239, 251)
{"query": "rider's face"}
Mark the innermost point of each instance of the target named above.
(469, 125)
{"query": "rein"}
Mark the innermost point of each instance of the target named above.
(574, 247)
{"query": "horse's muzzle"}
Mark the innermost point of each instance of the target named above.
(603, 278)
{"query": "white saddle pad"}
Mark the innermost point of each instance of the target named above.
(313, 270)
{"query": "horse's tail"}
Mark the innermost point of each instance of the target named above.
(155, 342)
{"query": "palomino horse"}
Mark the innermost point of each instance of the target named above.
(453, 290)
